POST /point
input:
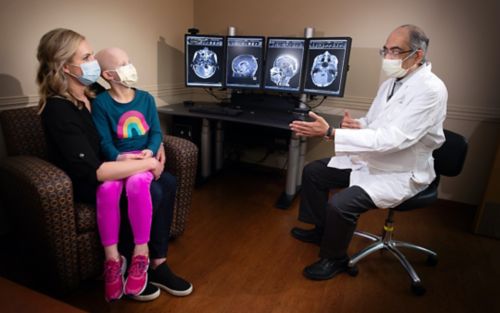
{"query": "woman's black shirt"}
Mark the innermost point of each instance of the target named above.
(73, 145)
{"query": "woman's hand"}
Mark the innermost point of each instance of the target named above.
(316, 128)
(158, 170)
(160, 155)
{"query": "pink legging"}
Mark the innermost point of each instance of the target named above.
(140, 208)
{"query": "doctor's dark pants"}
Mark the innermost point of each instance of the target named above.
(336, 217)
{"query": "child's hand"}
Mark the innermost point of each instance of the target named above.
(146, 153)
(129, 156)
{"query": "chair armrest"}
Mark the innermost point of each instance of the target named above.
(39, 198)
(182, 162)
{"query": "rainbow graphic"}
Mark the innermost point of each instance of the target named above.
(131, 124)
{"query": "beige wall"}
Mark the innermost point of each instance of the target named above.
(463, 49)
(151, 31)
(142, 28)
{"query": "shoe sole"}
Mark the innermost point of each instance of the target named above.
(345, 270)
(316, 242)
(136, 294)
(147, 298)
(174, 292)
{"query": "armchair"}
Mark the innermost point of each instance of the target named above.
(58, 234)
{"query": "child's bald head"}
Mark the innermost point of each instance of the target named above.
(111, 58)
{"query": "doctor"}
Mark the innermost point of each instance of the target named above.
(381, 159)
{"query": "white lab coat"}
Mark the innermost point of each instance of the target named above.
(391, 156)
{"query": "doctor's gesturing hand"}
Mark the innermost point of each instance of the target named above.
(317, 128)
(349, 122)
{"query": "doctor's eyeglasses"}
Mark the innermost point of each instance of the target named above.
(393, 52)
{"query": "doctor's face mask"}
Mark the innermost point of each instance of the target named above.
(394, 67)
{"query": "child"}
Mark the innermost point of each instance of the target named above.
(128, 125)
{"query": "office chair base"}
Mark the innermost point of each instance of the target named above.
(385, 242)
(432, 260)
(417, 289)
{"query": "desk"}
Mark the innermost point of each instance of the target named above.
(252, 116)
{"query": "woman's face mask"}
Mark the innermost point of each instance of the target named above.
(127, 74)
(90, 72)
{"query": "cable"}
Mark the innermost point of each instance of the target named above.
(210, 92)
(266, 155)
(310, 104)
(318, 104)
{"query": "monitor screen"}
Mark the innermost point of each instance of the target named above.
(204, 61)
(284, 58)
(244, 60)
(326, 66)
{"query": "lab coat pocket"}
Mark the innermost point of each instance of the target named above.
(424, 174)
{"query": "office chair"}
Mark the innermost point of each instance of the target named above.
(448, 161)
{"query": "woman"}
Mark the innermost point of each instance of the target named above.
(66, 70)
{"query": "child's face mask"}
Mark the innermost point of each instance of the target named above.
(127, 74)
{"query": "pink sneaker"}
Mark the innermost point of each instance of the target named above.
(137, 275)
(113, 278)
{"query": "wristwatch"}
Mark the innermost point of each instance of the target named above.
(328, 134)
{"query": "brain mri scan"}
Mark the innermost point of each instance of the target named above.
(324, 69)
(284, 68)
(244, 65)
(204, 63)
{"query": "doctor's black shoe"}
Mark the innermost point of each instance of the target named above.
(308, 235)
(327, 268)
(164, 278)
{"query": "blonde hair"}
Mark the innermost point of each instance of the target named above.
(56, 48)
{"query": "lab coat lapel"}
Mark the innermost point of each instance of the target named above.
(407, 88)
(387, 105)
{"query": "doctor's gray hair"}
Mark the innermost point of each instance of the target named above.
(418, 39)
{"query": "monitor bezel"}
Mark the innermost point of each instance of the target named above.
(222, 86)
(301, 78)
(263, 62)
(345, 68)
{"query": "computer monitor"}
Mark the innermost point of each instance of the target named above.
(326, 66)
(244, 60)
(284, 60)
(204, 61)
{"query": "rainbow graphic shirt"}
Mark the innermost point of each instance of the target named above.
(124, 127)
(130, 124)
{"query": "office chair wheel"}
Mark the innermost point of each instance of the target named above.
(432, 260)
(353, 271)
(417, 289)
